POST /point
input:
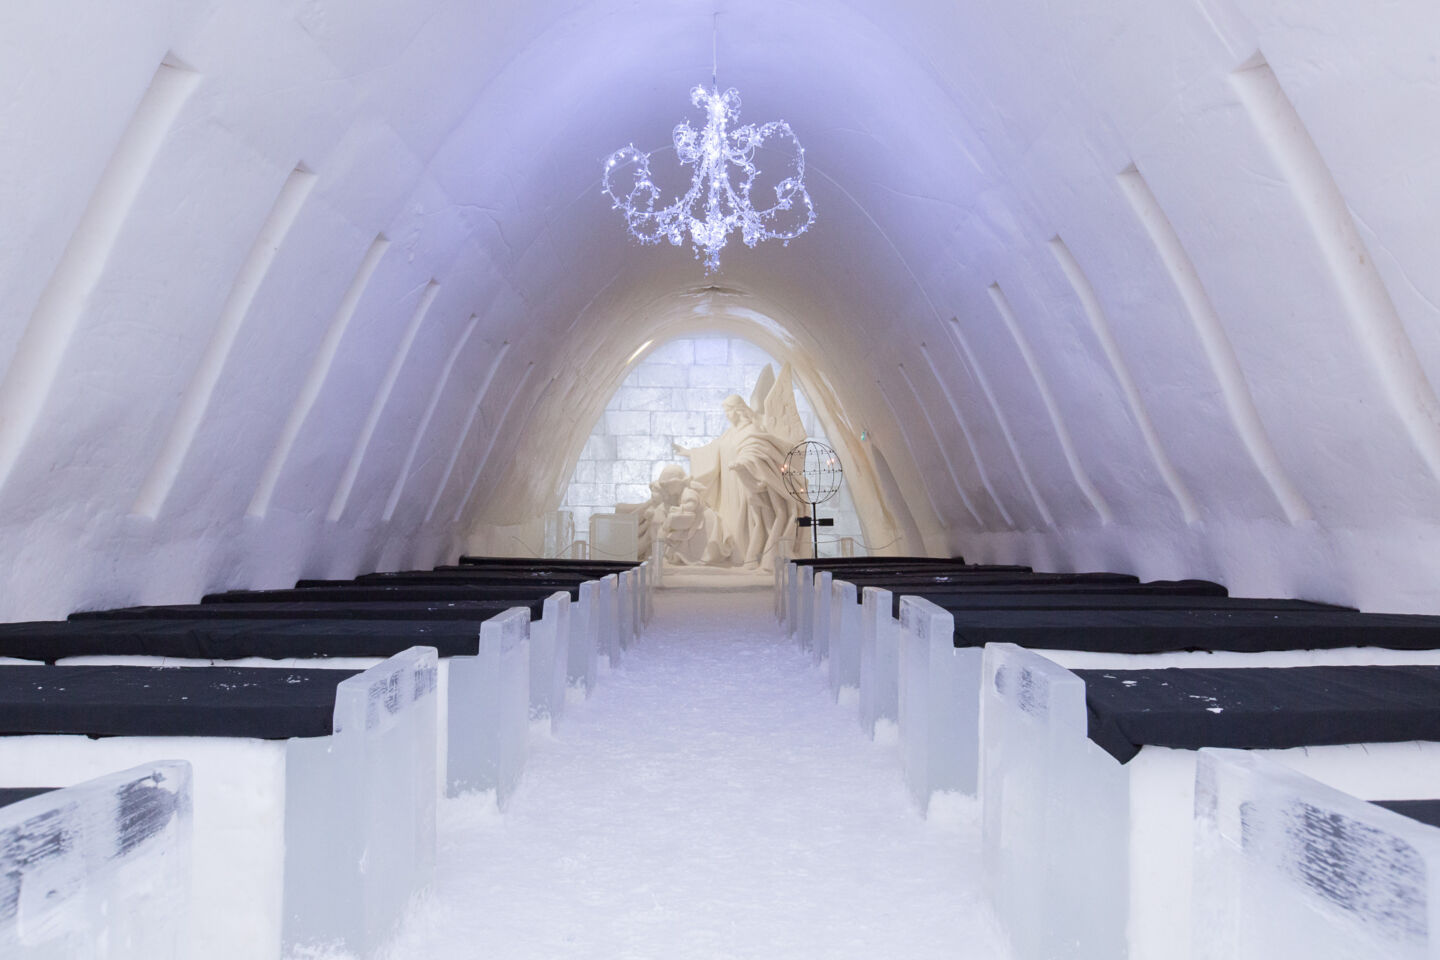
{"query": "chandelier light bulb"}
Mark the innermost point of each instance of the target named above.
(718, 201)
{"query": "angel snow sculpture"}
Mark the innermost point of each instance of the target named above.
(740, 472)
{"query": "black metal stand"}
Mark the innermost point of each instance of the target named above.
(814, 523)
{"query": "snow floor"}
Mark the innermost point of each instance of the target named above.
(708, 801)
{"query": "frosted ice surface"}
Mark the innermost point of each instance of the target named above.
(709, 801)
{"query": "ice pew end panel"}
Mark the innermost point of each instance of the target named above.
(1054, 809)
(489, 716)
(1287, 866)
(106, 861)
(939, 727)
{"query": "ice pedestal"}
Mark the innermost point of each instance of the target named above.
(98, 870)
(844, 638)
(879, 660)
(490, 708)
(549, 658)
(939, 713)
(1288, 867)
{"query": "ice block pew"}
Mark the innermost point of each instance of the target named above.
(631, 604)
(865, 636)
(788, 574)
(1088, 780)
(591, 625)
(1288, 866)
(814, 610)
(814, 587)
(645, 573)
(490, 685)
(941, 653)
(619, 620)
(547, 692)
(313, 790)
(799, 577)
(105, 862)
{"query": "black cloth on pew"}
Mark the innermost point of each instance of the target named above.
(9, 795)
(913, 581)
(1260, 707)
(967, 602)
(392, 593)
(559, 562)
(473, 610)
(258, 702)
(1170, 631)
(1163, 588)
(466, 575)
(233, 639)
(1425, 811)
(875, 561)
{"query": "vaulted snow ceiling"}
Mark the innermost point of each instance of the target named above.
(316, 286)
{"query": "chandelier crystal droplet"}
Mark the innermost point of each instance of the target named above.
(718, 200)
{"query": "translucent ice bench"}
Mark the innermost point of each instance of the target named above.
(314, 792)
(100, 869)
(1101, 849)
(493, 674)
(1286, 866)
(940, 656)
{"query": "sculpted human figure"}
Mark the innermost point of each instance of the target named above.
(741, 474)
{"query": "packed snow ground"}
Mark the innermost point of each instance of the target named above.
(709, 801)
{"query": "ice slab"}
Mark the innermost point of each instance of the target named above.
(879, 661)
(939, 727)
(489, 717)
(845, 615)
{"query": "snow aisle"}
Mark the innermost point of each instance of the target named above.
(709, 801)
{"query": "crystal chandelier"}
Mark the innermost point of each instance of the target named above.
(718, 200)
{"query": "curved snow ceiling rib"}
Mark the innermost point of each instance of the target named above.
(967, 135)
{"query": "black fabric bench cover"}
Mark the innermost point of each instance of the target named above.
(970, 602)
(9, 795)
(518, 596)
(550, 580)
(1170, 631)
(1260, 707)
(964, 578)
(559, 563)
(1425, 811)
(257, 702)
(472, 610)
(1160, 588)
(876, 561)
(232, 639)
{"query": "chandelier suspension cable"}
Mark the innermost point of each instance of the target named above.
(718, 200)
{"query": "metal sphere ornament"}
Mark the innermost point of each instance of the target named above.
(812, 475)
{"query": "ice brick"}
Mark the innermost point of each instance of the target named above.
(879, 660)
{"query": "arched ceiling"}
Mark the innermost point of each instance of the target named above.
(291, 285)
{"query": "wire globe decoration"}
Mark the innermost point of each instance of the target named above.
(812, 472)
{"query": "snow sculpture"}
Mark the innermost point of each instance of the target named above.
(733, 509)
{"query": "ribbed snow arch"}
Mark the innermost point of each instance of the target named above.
(1142, 286)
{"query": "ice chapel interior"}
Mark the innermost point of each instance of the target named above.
(785, 479)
